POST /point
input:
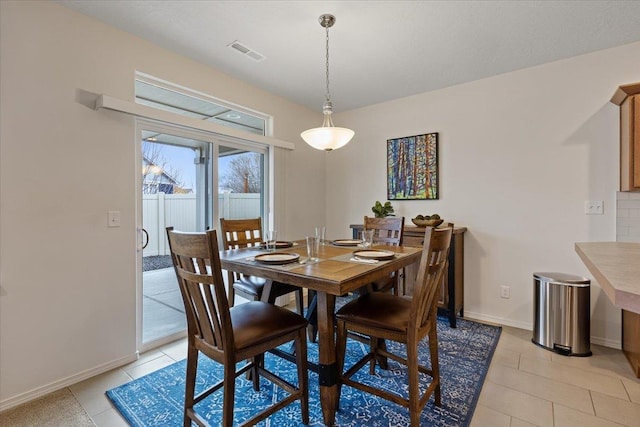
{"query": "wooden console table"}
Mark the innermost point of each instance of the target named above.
(451, 296)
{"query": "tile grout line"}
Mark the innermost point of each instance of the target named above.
(518, 391)
(562, 365)
(603, 418)
(593, 405)
(627, 391)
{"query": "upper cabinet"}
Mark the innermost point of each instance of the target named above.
(628, 98)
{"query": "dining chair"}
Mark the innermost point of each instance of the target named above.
(384, 316)
(386, 231)
(242, 233)
(231, 335)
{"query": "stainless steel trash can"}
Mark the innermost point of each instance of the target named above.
(561, 316)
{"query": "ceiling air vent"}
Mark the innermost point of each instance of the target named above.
(246, 50)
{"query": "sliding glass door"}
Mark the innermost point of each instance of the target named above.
(189, 180)
(175, 191)
(241, 182)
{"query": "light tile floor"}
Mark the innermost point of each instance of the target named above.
(526, 386)
(530, 386)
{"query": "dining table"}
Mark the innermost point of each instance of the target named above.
(338, 270)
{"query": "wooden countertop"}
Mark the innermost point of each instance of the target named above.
(616, 267)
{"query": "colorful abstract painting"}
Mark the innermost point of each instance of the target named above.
(412, 167)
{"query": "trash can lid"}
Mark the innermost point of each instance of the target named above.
(569, 279)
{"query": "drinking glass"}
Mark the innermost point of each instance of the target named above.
(320, 234)
(271, 240)
(313, 245)
(366, 238)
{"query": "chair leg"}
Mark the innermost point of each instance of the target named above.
(303, 374)
(373, 348)
(414, 392)
(252, 374)
(399, 290)
(341, 349)
(299, 302)
(229, 394)
(435, 364)
(312, 316)
(255, 375)
(192, 369)
(395, 287)
(231, 297)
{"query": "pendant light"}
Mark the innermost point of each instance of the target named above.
(328, 137)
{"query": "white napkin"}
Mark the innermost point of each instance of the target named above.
(367, 261)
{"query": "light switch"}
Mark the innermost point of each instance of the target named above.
(594, 207)
(113, 219)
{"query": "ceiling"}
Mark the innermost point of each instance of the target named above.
(379, 50)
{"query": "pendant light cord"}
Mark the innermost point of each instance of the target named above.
(328, 96)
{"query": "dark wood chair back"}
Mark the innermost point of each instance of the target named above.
(241, 233)
(387, 231)
(433, 264)
(202, 288)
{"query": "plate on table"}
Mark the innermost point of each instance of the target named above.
(279, 244)
(374, 254)
(277, 258)
(346, 242)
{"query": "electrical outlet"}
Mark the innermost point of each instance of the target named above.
(594, 207)
(505, 292)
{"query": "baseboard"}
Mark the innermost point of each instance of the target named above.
(497, 320)
(65, 382)
(605, 342)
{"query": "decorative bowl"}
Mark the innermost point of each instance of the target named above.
(427, 222)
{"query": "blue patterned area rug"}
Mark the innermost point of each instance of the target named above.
(464, 352)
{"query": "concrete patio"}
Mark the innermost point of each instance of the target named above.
(163, 310)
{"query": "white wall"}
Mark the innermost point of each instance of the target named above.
(67, 282)
(519, 155)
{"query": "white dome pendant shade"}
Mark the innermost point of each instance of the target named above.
(327, 137)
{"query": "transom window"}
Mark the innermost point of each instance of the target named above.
(181, 101)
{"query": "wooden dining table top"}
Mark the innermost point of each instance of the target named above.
(335, 273)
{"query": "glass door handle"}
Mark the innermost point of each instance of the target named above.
(145, 238)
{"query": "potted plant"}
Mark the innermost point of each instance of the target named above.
(381, 210)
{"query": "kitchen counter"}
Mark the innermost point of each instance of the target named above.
(616, 267)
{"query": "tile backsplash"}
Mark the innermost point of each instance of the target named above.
(628, 217)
